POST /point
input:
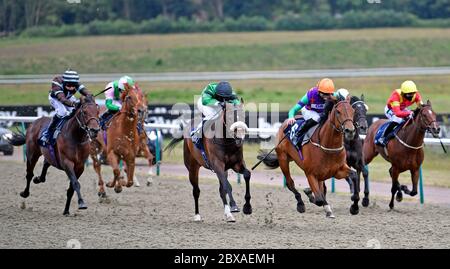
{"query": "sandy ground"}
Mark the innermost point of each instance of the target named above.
(161, 216)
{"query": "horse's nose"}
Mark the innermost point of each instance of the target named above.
(349, 133)
(363, 129)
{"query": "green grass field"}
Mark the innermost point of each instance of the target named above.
(284, 92)
(228, 51)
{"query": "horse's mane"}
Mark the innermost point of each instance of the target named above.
(418, 109)
(326, 112)
(88, 99)
(354, 99)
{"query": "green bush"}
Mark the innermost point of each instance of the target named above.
(118, 27)
(289, 22)
(295, 22)
(160, 25)
(247, 24)
(371, 19)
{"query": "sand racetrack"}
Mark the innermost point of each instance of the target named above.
(161, 216)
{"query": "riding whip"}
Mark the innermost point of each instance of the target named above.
(258, 163)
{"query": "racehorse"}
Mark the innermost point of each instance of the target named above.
(70, 151)
(121, 143)
(353, 149)
(224, 151)
(322, 158)
(405, 152)
(142, 147)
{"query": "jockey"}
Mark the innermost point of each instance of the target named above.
(62, 99)
(112, 98)
(213, 99)
(397, 110)
(312, 104)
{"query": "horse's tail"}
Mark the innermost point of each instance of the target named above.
(173, 143)
(17, 139)
(271, 161)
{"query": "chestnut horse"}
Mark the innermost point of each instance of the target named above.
(142, 147)
(224, 151)
(122, 139)
(405, 151)
(70, 151)
(323, 156)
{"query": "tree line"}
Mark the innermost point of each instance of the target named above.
(211, 15)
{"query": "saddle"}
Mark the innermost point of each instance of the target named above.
(383, 135)
(52, 139)
(292, 131)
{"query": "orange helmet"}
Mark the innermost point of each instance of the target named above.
(326, 85)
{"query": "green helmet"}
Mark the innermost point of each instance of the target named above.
(125, 80)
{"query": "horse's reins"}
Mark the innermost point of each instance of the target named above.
(84, 126)
(427, 129)
(226, 129)
(360, 117)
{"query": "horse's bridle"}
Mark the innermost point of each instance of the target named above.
(84, 123)
(235, 140)
(360, 117)
(423, 121)
(340, 129)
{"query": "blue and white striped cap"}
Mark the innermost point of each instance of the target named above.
(71, 76)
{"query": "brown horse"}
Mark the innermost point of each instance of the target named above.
(323, 157)
(70, 151)
(224, 151)
(405, 152)
(122, 138)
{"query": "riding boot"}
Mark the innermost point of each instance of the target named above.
(389, 132)
(197, 132)
(305, 128)
(103, 119)
(47, 136)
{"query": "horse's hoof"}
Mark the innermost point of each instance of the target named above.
(198, 218)
(36, 180)
(129, 184)
(354, 210)
(25, 194)
(307, 191)
(247, 209)
(319, 202)
(301, 208)
(330, 215)
(82, 205)
(230, 218)
(66, 213)
(403, 187)
(399, 197)
(365, 202)
(235, 209)
(110, 184)
(118, 190)
(101, 194)
(391, 206)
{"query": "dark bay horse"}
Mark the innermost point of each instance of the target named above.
(354, 152)
(405, 151)
(70, 152)
(224, 151)
(323, 157)
(122, 138)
